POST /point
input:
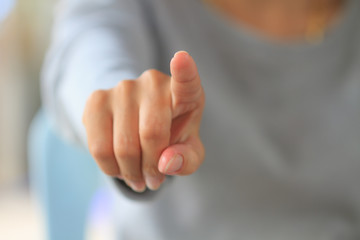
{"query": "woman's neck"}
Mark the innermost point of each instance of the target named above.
(281, 19)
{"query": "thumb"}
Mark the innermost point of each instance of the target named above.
(185, 81)
(182, 158)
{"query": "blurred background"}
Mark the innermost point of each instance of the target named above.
(24, 36)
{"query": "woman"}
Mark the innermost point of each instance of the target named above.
(280, 126)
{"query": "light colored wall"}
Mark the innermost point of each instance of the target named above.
(23, 40)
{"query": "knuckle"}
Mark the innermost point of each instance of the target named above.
(126, 140)
(127, 147)
(101, 152)
(126, 151)
(96, 104)
(121, 153)
(112, 172)
(133, 177)
(153, 77)
(151, 73)
(151, 170)
(98, 98)
(125, 87)
(154, 131)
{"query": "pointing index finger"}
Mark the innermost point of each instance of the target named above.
(185, 81)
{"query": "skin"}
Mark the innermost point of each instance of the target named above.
(136, 129)
(146, 128)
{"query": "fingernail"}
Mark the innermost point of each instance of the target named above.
(181, 52)
(153, 183)
(137, 186)
(174, 164)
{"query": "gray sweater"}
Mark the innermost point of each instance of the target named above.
(281, 125)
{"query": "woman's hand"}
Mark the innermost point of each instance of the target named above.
(147, 128)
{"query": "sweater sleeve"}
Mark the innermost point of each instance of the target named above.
(95, 44)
